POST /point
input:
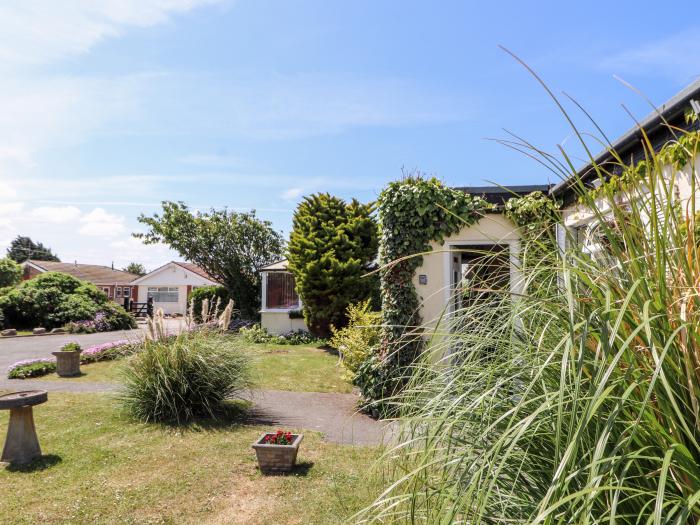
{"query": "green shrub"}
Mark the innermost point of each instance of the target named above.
(256, 334)
(71, 347)
(184, 377)
(259, 335)
(54, 299)
(211, 293)
(331, 247)
(357, 341)
(10, 272)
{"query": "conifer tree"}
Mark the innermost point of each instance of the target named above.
(331, 247)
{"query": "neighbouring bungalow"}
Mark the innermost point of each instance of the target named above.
(117, 284)
(170, 286)
(281, 306)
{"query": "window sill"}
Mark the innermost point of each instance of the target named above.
(278, 310)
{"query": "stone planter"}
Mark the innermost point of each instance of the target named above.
(275, 459)
(67, 363)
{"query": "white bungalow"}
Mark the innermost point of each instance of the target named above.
(170, 286)
(281, 306)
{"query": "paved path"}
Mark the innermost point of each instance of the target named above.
(334, 415)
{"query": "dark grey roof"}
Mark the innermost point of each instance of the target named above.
(672, 112)
(500, 194)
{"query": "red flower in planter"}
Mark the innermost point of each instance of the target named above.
(280, 437)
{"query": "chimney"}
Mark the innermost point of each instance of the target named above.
(112, 265)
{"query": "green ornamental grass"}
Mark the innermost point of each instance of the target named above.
(181, 378)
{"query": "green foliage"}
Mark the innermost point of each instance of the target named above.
(36, 368)
(532, 213)
(54, 299)
(360, 338)
(178, 379)
(10, 272)
(230, 246)
(23, 248)
(296, 314)
(71, 347)
(258, 335)
(676, 154)
(212, 294)
(135, 268)
(376, 379)
(536, 216)
(413, 212)
(330, 249)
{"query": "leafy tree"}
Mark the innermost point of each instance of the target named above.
(23, 248)
(330, 249)
(230, 246)
(135, 268)
(10, 272)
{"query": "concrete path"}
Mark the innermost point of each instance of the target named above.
(334, 415)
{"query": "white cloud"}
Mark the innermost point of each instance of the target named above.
(100, 223)
(40, 109)
(38, 31)
(55, 214)
(292, 193)
(150, 255)
(676, 56)
(10, 208)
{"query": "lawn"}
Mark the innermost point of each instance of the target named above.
(275, 367)
(297, 367)
(100, 467)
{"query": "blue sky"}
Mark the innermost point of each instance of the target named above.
(107, 108)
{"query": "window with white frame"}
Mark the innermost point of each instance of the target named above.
(127, 291)
(164, 294)
(280, 291)
(106, 290)
(119, 292)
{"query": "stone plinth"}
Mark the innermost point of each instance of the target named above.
(21, 444)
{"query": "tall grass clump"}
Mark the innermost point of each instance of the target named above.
(578, 399)
(179, 378)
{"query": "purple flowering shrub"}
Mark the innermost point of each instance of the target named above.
(109, 351)
(106, 320)
(102, 352)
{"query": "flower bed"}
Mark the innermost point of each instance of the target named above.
(31, 368)
(43, 366)
(109, 351)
